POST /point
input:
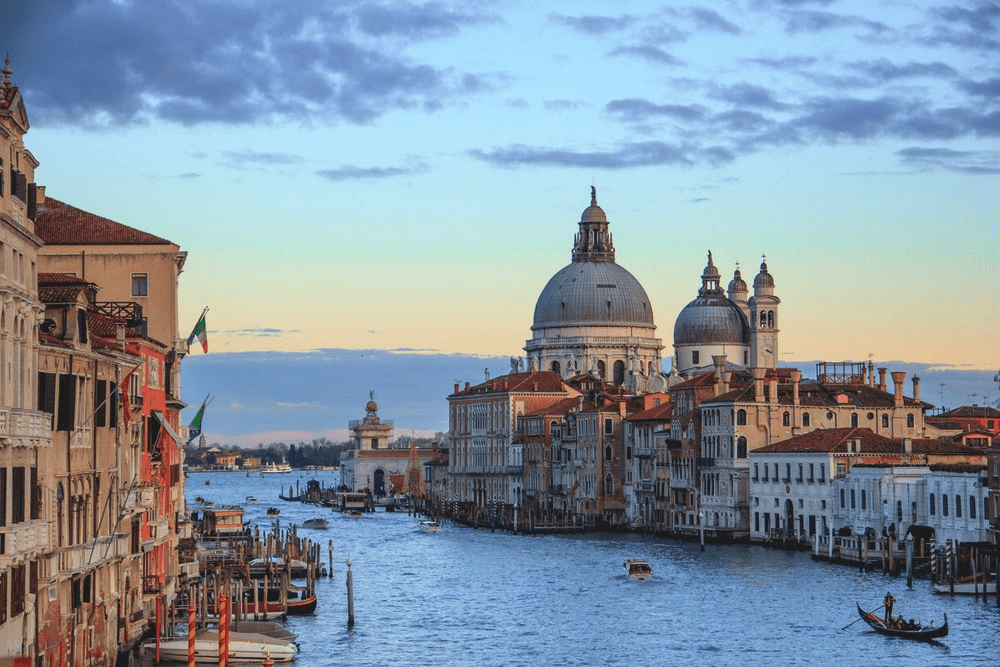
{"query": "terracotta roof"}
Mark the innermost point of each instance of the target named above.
(61, 224)
(532, 381)
(835, 440)
(561, 407)
(970, 412)
(60, 294)
(818, 395)
(660, 412)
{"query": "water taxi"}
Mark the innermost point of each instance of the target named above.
(276, 468)
(637, 569)
(430, 526)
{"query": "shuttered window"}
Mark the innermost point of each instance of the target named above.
(66, 417)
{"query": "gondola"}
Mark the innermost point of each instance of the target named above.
(922, 633)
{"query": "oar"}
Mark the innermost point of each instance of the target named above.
(861, 618)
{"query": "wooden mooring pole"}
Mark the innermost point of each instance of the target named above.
(350, 595)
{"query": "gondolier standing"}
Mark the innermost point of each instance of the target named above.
(889, 601)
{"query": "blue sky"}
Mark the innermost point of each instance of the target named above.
(407, 176)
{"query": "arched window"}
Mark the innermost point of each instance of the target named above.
(944, 504)
(770, 319)
(786, 419)
(841, 499)
(741, 448)
(958, 506)
(885, 421)
(864, 500)
(930, 505)
(854, 420)
(852, 499)
(741, 417)
(972, 507)
(555, 367)
(601, 369)
(608, 453)
(609, 485)
(805, 419)
(763, 319)
(909, 421)
(619, 368)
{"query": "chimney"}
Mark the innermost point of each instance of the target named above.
(456, 387)
(720, 364)
(758, 384)
(897, 381)
(881, 379)
(726, 377)
(579, 403)
(796, 378)
(39, 195)
(871, 374)
(773, 389)
(916, 388)
(467, 385)
(907, 446)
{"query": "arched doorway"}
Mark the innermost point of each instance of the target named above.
(789, 516)
(379, 489)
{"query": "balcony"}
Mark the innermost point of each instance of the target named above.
(22, 426)
(679, 483)
(705, 462)
(645, 485)
(26, 536)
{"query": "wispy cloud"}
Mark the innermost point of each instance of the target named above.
(966, 162)
(354, 172)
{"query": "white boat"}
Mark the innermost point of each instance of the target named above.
(275, 565)
(637, 569)
(272, 468)
(319, 523)
(243, 647)
(966, 587)
(251, 500)
(429, 526)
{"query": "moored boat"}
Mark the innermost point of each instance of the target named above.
(243, 647)
(966, 586)
(275, 565)
(638, 569)
(316, 523)
(897, 627)
(430, 526)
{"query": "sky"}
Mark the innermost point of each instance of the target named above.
(405, 177)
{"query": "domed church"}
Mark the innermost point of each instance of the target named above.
(744, 330)
(594, 317)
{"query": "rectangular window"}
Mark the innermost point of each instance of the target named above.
(3, 496)
(853, 504)
(112, 405)
(101, 403)
(35, 495)
(811, 470)
(822, 473)
(66, 417)
(47, 392)
(81, 325)
(3, 597)
(17, 494)
(695, 358)
(609, 426)
(140, 284)
(755, 472)
(17, 590)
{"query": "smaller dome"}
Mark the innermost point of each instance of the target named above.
(763, 279)
(711, 319)
(737, 284)
(593, 213)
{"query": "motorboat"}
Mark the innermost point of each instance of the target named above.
(966, 586)
(430, 526)
(317, 523)
(275, 565)
(243, 647)
(273, 511)
(251, 500)
(276, 468)
(638, 569)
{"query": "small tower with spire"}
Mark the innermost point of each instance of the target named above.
(593, 242)
(764, 320)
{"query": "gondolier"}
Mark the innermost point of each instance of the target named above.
(889, 601)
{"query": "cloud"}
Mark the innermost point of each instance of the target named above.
(101, 63)
(563, 105)
(594, 25)
(256, 333)
(639, 110)
(637, 154)
(883, 70)
(975, 27)
(974, 163)
(808, 21)
(747, 95)
(784, 64)
(652, 54)
(257, 157)
(353, 172)
(709, 19)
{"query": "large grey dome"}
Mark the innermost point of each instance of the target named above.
(588, 293)
(711, 318)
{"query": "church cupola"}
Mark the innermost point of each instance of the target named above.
(593, 241)
(710, 279)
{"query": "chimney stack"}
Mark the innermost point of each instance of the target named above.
(758, 383)
(773, 389)
(916, 388)
(881, 379)
(796, 379)
(456, 387)
(897, 381)
(726, 378)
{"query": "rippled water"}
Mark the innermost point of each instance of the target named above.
(475, 597)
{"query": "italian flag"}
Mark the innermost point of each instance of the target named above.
(200, 333)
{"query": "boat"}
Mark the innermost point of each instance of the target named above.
(298, 601)
(966, 586)
(276, 468)
(430, 526)
(319, 523)
(273, 511)
(251, 500)
(914, 631)
(243, 647)
(275, 565)
(356, 514)
(637, 569)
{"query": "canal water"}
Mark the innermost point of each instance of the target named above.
(475, 597)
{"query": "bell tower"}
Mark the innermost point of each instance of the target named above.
(764, 320)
